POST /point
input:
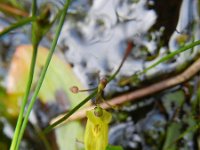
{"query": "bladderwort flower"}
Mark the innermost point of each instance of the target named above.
(96, 132)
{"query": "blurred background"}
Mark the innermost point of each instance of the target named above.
(91, 45)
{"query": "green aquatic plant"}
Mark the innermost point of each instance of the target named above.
(37, 29)
(98, 119)
(96, 91)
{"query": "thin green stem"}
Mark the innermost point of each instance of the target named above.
(25, 99)
(127, 52)
(28, 86)
(163, 59)
(171, 55)
(189, 130)
(97, 92)
(49, 128)
(40, 81)
(17, 25)
(42, 136)
(34, 7)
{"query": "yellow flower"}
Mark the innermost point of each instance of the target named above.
(96, 133)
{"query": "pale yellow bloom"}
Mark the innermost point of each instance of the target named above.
(96, 133)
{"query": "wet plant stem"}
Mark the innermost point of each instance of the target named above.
(25, 99)
(28, 86)
(40, 81)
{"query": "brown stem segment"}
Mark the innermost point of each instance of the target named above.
(13, 10)
(129, 48)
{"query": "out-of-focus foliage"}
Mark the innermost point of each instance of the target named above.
(110, 147)
(55, 89)
(59, 76)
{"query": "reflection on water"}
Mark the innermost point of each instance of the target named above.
(94, 38)
(99, 40)
(96, 43)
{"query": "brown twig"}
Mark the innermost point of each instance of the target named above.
(13, 10)
(149, 90)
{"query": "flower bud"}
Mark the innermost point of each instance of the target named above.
(74, 89)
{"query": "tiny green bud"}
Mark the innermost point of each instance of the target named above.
(182, 38)
(98, 111)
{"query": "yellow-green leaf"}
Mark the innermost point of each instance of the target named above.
(59, 75)
(59, 78)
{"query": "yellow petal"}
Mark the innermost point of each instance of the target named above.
(96, 133)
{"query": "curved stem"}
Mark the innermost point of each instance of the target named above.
(133, 95)
(96, 92)
(17, 25)
(171, 55)
(163, 59)
(127, 52)
(12, 10)
(49, 128)
(142, 92)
